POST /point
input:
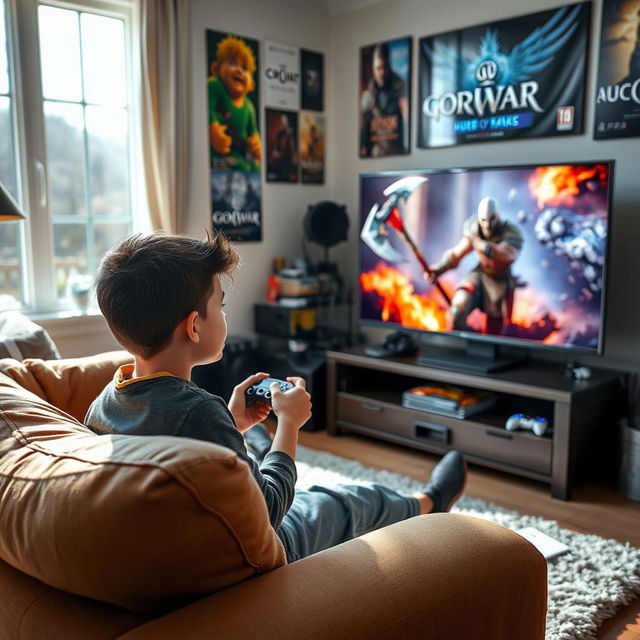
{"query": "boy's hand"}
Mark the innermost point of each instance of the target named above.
(247, 417)
(220, 141)
(293, 408)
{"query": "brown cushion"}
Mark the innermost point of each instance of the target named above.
(145, 523)
(71, 384)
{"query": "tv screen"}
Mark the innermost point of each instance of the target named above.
(511, 254)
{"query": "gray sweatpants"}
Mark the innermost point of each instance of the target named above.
(322, 517)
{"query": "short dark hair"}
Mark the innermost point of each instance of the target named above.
(150, 283)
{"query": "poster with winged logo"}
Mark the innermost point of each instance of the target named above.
(517, 78)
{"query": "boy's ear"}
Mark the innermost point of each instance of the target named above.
(192, 331)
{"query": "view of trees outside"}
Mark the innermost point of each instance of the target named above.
(87, 143)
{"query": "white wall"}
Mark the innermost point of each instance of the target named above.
(396, 18)
(283, 205)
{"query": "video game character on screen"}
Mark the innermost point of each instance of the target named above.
(235, 138)
(528, 263)
(490, 285)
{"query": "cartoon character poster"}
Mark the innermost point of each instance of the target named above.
(282, 145)
(518, 252)
(233, 74)
(617, 112)
(312, 137)
(385, 98)
(312, 77)
(517, 78)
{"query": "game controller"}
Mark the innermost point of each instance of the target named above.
(533, 423)
(262, 390)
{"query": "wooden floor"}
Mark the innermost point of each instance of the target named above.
(592, 509)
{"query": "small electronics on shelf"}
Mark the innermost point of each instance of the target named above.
(447, 400)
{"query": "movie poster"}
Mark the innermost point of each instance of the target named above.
(312, 78)
(617, 112)
(282, 145)
(281, 75)
(312, 137)
(517, 78)
(516, 252)
(385, 98)
(233, 79)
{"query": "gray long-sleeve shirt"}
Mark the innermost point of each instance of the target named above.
(172, 406)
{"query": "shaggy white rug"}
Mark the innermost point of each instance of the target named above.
(586, 586)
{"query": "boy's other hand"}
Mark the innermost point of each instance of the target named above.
(293, 407)
(247, 417)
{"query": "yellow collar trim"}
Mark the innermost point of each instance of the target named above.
(123, 377)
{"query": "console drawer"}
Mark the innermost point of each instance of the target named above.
(517, 449)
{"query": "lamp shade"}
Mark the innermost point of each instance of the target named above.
(9, 209)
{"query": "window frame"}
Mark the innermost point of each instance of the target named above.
(23, 44)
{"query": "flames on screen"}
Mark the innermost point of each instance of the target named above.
(562, 185)
(399, 302)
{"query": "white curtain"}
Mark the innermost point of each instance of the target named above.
(165, 59)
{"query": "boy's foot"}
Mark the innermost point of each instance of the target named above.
(258, 440)
(447, 482)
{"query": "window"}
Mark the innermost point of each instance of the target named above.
(72, 139)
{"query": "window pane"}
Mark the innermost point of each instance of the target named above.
(64, 128)
(10, 271)
(70, 253)
(60, 53)
(4, 65)
(108, 236)
(7, 157)
(104, 73)
(108, 160)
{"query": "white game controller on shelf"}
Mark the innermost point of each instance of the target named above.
(521, 421)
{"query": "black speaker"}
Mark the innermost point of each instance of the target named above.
(240, 359)
(310, 366)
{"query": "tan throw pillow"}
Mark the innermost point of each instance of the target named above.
(147, 523)
(21, 338)
(74, 383)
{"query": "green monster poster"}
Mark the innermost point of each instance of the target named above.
(234, 134)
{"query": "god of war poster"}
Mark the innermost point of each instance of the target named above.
(517, 78)
(234, 134)
(617, 112)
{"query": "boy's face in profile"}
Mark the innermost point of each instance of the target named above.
(213, 328)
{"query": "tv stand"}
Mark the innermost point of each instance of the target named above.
(364, 395)
(478, 357)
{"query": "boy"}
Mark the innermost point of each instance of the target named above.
(162, 298)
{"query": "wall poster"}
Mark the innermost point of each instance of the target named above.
(617, 112)
(312, 137)
(517, 78)
(281, 76)
(385, 98)
(282, 145)
(234, 135)
(312, 78)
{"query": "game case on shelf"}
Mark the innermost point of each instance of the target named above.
(447, 400)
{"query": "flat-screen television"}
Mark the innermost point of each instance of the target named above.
(511, 255)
